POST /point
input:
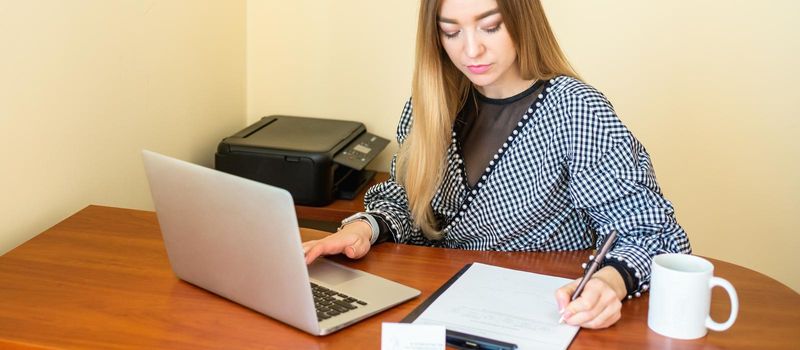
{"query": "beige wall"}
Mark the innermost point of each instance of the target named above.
(708, 87)
(346, 59)
(84, 85)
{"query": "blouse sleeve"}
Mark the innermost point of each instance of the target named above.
(388, 200)
(612, 180)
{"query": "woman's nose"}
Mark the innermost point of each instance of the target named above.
(474, 46)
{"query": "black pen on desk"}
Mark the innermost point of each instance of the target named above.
(468, 341)
(592, 268)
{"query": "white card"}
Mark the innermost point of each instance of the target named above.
(408, 336)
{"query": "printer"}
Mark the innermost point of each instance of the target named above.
(316, 160)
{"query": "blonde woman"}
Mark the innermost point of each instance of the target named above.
(504, 148)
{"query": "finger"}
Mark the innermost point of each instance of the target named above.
(357, 249)
(595, 298)
(313, 253)
(351, 251)
(610, 315)
(308, 244)
(564, 293)
(323, 247)
(586, 302)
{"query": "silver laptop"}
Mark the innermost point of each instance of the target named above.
(239, 239)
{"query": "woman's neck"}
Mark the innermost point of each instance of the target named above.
(505, 90)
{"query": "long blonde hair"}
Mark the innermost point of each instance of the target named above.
(439, 90)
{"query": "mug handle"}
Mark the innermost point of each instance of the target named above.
(721, 282)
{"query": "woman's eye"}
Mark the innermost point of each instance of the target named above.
(492, 29)
(451, 34)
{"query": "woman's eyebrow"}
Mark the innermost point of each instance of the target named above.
(478, 17)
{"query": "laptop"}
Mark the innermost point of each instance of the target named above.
(239, 239)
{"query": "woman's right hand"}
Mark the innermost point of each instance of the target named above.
(352, 240)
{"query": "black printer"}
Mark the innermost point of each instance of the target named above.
(316, 160)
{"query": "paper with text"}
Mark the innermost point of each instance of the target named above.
(503, 304)
(404, 336)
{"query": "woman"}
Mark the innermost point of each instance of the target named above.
(505, 149)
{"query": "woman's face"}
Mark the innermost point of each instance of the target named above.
(476, 40)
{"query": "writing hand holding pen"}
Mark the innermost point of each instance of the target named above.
(598, 303)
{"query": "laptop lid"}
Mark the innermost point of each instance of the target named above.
(216, 230)
(239, 239)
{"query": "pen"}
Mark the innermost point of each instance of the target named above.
(468, 341)
(595, 263)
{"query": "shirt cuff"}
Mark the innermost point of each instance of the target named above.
(635, 260)
(384, 235)
(628, 275)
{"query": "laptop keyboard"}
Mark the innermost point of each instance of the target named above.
(330, 303)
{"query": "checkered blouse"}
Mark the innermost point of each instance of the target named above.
(569, 168)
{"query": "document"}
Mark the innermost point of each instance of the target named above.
(509, 305)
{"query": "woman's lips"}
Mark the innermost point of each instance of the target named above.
(479, 68)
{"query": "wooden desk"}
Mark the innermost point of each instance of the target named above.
(101, 279)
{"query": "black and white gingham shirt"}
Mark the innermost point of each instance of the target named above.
(568, 169)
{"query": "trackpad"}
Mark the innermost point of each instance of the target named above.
(331, 273)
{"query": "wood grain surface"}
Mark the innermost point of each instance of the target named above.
(101, 279)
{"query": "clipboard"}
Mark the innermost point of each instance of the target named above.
(457, 339)
(529, 325)
(421, 307)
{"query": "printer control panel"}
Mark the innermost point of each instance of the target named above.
(361, 151)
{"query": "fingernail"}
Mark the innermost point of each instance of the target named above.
(561, 312)
(561, 320)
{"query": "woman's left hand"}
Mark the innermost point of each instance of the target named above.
(599, 304)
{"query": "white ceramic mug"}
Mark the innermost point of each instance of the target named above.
(680, 297)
